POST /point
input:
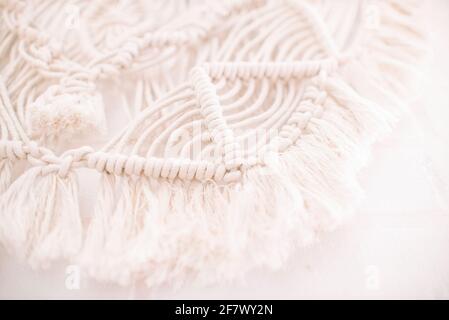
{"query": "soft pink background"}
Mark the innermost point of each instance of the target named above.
(397, 247)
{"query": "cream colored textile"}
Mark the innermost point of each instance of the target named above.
(248, 121)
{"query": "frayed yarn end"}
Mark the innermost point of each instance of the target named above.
(40, 218)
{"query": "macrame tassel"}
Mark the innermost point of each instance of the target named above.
(5, 174)
(40, 219)
(165, 231)
(62, 113)
(110, 230)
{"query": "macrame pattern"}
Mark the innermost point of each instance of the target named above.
(249, 121)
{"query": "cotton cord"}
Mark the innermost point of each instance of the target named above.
(248, 123)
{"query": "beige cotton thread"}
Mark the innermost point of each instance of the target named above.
(274, 95)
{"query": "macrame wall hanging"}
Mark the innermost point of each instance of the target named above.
(248, 121)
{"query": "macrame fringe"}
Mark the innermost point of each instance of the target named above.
(40, 217)
(173, 231)
(5, 174)
(170, 231)
(167, 232)
(395, 47)
(326, 158)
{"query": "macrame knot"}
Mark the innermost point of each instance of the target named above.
(97, 161)
(41, 52)
(170, 168)
(65, 165)
(34, 151)
(134, 165)
(115, 163)
(127, 54)
(62, 165)
(211, 110)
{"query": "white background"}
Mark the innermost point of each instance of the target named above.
(397, 247)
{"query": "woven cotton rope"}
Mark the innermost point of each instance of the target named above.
(248, 122)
